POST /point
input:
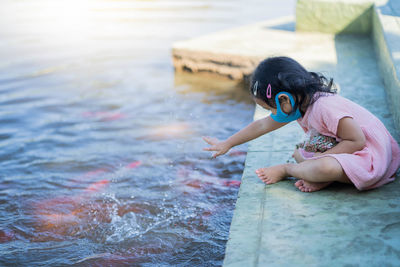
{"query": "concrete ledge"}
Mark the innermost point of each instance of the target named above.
(236, 67)
(386, 38)
(226, 54)
(223, 53)
(333, 16)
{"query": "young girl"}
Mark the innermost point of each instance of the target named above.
(363, 153)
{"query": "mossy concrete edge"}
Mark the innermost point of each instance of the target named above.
(334, 16)
(385, 36)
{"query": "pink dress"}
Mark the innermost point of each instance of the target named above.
(376, 164)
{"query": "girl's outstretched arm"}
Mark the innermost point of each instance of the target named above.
(250, 132)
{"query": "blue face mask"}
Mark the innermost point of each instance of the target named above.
(280, 115)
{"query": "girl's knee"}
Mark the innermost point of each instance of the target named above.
(329, 166)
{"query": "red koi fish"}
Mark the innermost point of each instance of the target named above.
(197, 180)
(89, 175)
(231, 183)
(134, 164)
(6, 236)
(170, 131)
(97, 186)
(55, 220)
(104, 115)
(235, 153)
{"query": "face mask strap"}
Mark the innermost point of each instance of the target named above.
(281, 116)
(291, 99)
(278, 105)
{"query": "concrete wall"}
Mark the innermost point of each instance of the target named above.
(385, 35)
(336, 17)
(380, 19)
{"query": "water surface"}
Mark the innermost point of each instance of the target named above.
(101, 153)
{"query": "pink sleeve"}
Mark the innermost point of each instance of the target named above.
(327, 115)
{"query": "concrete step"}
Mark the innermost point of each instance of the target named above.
(236, 52)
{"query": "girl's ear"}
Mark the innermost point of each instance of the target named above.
(283, 98)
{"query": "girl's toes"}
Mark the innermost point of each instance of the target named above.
(303, 189)
(299, 183)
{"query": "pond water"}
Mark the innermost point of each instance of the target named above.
(101, 153)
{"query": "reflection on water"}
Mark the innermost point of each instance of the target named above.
(101, 151)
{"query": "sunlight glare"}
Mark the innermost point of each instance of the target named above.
(68, 19)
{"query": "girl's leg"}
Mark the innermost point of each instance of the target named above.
(314, 174)
(314, 178)
(326, 169)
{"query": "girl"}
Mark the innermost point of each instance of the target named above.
(365, 153)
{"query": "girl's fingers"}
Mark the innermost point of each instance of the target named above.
(208, 140)
(205, 139)
(217, 154)
(211, 148)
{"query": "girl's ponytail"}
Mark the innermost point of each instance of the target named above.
(324, 85)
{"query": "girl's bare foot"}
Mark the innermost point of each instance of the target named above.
(306, 186)
(273, 174)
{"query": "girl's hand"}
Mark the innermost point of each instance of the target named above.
(216, 145)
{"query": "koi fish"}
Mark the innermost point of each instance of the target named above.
(231, 183)
(134, 164)
(97, 186)
(89, 175)
(59, 215)
(58, 219)
(194, 183)
(235, 153)
(6, 236)
(170, 131)
(104, 115)
(196, 180)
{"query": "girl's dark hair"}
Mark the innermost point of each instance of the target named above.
(286, 74)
